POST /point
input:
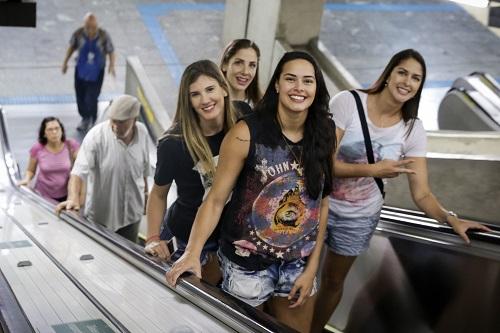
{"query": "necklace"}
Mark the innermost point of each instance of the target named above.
(297, 163)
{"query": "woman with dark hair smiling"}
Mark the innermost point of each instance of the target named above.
(397, 141)
(277, 162)
(53, 155)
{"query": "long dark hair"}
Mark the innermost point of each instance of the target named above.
(410, 107)
(319, 140)
(41, 132)
(253, 93)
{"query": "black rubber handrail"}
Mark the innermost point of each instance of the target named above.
(419, 220)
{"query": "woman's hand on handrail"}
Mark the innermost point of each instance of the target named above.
(188, 262)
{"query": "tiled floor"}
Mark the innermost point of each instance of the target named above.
(363, 35)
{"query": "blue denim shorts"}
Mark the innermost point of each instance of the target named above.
(350, 236)
(209, 247)
(256, 287)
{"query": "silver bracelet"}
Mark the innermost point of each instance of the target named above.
(149, 246)
(450, 213)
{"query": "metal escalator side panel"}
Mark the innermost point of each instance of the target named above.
(153, 113)
(484, 91)
(476, 81)
(490, 109)
(10, 162)
(458, 111)
(488, 80)
(406, 284)
(460, 185)
(488, 90)
(461, 83)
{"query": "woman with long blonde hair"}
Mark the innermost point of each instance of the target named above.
(188, 154)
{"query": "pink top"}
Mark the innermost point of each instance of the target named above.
(53, 169)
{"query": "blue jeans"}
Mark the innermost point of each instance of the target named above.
(87, 93)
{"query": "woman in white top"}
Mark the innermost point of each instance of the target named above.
(399, 146)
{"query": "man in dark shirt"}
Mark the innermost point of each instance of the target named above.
(92, 44)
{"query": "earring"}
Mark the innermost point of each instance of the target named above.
(385, 85)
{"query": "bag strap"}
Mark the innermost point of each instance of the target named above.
(70, 153)
(368, 141)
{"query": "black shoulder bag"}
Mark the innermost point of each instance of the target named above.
(368, 141)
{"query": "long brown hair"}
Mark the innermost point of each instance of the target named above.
(186, 121)
(253, 93)
(410, 107)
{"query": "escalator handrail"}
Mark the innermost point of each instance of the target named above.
(416, 219)
(489, 79)
(472, 97)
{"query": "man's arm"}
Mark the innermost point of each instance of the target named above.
(69, 52)
(74, 189)
(111, 68)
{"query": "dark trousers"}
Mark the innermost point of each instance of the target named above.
(129, 232)
(87, 93)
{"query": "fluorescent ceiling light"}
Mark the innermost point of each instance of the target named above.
(475, 3)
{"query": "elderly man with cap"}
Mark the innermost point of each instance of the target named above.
(114, 162)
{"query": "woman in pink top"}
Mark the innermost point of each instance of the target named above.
(53, 155)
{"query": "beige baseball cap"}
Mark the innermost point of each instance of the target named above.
(124, 107)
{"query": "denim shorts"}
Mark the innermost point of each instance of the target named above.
(350, 236)
(210, 246)
(256, 287)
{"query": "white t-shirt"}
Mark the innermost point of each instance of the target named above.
(360, 196)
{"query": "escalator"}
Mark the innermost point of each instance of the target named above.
(66, 274)
(69, 274)
(417, 275)
(472, 104)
